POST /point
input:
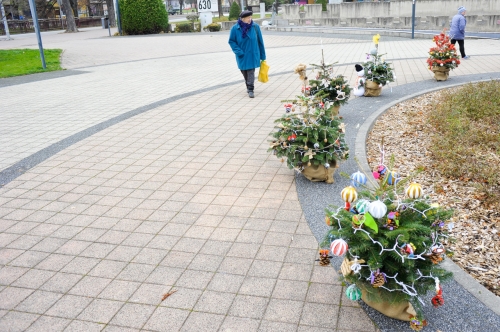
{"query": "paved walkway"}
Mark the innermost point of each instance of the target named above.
(180, 197)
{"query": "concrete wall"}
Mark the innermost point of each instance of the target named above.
(482, 15)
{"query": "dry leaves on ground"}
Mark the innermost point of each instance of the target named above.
(476, 226)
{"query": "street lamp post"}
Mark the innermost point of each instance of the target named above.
(4, 19)
(37, 31)
(413, 20)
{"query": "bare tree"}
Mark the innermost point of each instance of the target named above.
(111, 12)
(219, 4)
(70, 19)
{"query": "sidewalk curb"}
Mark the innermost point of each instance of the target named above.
(355, 31)
(463, 278)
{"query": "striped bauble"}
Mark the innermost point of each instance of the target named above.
(392, 178)
(338, 247)
(353, 292)
(358, 179)
(349, 194)
(362, 205)
(414, 190)
(377, 209)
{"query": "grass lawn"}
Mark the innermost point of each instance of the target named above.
(27, 61)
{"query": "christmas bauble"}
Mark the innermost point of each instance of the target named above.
(392, 178)
(316, 145)
(327, 165)
(353, 293)
(362, 205)
(377, 209)
(349, 194)
(414, 190)
(338, 247)
(357, 179)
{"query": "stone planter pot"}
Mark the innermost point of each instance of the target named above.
(441, 73)
(372, 89)
(320, 173)
(401, 310)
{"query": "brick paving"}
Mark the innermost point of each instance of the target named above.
(183, 197)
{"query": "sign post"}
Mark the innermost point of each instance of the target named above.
(413, 20)
(205, 8)
(34, 16)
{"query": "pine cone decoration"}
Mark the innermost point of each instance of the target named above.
(377, 279)
(324, 258)
(324, 261)
(435, 258)
(417, 324)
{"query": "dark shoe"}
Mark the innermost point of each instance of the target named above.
(250, 94)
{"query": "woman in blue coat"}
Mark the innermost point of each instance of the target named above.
(457, 30)
(246, 42)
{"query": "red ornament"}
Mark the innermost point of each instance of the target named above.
(438, 300)
(339, 247)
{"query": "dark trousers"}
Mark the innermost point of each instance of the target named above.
(249, 76)
(461, 45)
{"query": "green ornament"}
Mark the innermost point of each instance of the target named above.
(353, 292)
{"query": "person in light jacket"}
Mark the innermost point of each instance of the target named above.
(457, 30)
(247, 44)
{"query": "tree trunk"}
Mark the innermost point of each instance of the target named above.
(111, 12)
(74, 6)
(70, 19)
(219, 3)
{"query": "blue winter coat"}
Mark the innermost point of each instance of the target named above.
(249, 50)
(457, 29)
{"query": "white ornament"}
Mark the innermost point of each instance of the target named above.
(377, 209)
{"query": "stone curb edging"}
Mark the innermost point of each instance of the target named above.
(463, 278)
(353, 31)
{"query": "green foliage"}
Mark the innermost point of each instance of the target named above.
(192, 17)
(422, 226)
(234, 11)
(212, 27)
(465, 124)
(28, 61)
(335, 90)
(143, 16)
(323, 4)
(184, 27)
(378, 71)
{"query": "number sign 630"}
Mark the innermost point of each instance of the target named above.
(204, 4)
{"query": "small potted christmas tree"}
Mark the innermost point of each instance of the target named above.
(310, 135)
(443, 57)
(393, 239)
(330, 88)
(378, 72)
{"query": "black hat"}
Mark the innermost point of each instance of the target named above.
(358, 67)
(246, 13)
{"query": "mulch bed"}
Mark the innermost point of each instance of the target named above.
(476, 244)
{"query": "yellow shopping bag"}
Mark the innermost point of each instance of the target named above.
(263, 72)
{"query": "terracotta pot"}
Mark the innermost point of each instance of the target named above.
(400, 310)
(441, 73)
(320, 173)
(372, 89)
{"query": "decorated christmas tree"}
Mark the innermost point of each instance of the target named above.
(329, 88)
(443, 54)
(443, 57)
(378, 72)
(393, 240)
(310, 135)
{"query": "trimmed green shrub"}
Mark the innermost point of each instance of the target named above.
(323, 4)
(184, 27)
(234, 11)
(141, 17)
(212, 27)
